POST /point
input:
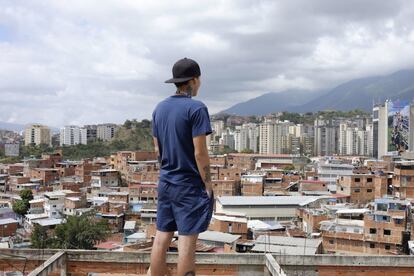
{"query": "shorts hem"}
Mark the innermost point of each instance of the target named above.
(165, 230)
(180, 233)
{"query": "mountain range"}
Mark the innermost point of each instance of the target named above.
(354, 94)
(12, 127)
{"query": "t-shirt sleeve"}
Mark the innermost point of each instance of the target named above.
(154, 128)
(200, 122)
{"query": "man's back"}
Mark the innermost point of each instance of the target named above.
(176, 120)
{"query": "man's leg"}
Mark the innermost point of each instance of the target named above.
(158, 253)
(186, 255)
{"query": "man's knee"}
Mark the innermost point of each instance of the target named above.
(162, 240)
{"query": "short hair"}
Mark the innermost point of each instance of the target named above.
(180, 84)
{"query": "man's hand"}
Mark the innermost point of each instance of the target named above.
(209, 193)
(203, 162)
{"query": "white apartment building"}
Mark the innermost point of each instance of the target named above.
(245, 137)
(227, 138)
(73, 135)
(37, 134)
(355, 140)
(330, 170)
(54, 204)
(326, 137)
(217, 127)
(274, 137)
(106, 132)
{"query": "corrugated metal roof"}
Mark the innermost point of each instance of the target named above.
(284, 250)
(230, 218)
(352, 211)
(261, 225)
(288, 241)
(7, 221)
(49, 221)
(216, 236)
(130, 225)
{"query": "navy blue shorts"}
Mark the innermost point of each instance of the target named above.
(186, 209)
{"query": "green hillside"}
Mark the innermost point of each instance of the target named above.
(133, 135)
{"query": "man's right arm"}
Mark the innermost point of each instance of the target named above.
(203, 161)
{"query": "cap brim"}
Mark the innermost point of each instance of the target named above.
(176, 80)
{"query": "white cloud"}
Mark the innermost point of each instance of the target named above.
(67, 62)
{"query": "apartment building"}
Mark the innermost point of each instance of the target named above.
(354, 140)
(403, 180)
(54, 204)
(379, 230)
(246, 137)
(309, 219)
(329, 170)
(231, 223)
(274, 137)
(48, 176)
(229, 187)
(143, 193)
(106, 132)
(105, 178)
(326, 137)
(359, 187)
(37, 135)
(252, 184)
(73, 135)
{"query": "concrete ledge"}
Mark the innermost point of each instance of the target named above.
(211, 258)
(273, 268)
(57, 261)
(334, 260)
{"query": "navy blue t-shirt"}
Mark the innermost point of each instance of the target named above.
(175, 121)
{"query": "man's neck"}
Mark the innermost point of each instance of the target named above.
(183, 93)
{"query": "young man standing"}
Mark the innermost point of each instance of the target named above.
(185, 197)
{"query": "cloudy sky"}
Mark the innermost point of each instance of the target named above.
(93, 61)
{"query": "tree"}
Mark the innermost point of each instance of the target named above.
(39, 237)
(26, 194)
(128, 124)
(80, 232)
(21, 206)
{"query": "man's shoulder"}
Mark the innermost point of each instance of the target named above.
(196, 104)
(161, 104)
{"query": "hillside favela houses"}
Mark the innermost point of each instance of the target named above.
(331, 195)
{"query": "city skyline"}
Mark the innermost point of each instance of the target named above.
(78, 63)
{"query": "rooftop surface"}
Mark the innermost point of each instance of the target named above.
(266, 200)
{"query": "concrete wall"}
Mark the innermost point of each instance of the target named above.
(80, 262)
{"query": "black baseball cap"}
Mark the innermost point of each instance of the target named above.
(184, 70)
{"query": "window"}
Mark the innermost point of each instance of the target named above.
(382, 207)
(387, 247)
(372, 230)
(369, 190)
(369, 180)
(372, 245)
(387, 232)
(357, 190)
(357, 179)
(331, 241)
